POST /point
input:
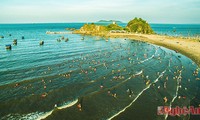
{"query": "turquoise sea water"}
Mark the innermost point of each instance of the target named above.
(49, 81)
(185, 30)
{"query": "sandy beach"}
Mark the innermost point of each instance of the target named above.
(187, 46)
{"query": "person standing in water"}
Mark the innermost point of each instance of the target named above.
(130, 92)
(80, 104)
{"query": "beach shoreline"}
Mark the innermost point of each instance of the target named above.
(189, 47)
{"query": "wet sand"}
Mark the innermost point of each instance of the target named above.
(186, 46)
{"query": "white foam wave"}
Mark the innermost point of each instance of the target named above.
(68, 104)
(39, 115)
(137, 96)
(139, 73)
(45, 115)
(176, 95)
(149, 58)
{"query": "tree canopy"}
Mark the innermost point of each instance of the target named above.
(114, 27)
(139, 25)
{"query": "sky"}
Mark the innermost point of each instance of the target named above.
(59, 11)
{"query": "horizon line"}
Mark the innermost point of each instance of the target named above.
(88, 22)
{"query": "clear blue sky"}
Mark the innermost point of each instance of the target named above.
(154, 11)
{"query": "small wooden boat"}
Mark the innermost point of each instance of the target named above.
(15, 42)
(58, 40)
(42, 42)
(8, 47)
(67, 39)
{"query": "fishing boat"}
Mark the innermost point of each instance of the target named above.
(67, 39)
(8, 47)
(15, 42)
(42, 42)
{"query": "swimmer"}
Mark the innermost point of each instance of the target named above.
(17, 84)
(95, 69)
(165, 85)
(113, 71)
(114, 95)
(130, 92)
(79, 106)
(109, 92)
(55, 106)
(165, 99)
(101, 86)
(44, 95)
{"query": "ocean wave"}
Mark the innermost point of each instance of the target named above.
(38, 115)
(137, 96)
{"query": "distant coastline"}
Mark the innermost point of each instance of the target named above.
(109, 21)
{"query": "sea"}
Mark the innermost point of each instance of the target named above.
(80, 77)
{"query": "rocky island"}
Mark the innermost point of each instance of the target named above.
(137, 25)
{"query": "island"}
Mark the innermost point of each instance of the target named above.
(109, 21)
(139, 29)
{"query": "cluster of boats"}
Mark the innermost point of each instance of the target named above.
(63, 38)
(9, 46)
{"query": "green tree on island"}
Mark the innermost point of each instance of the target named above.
(138, 25)
(114, 27)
